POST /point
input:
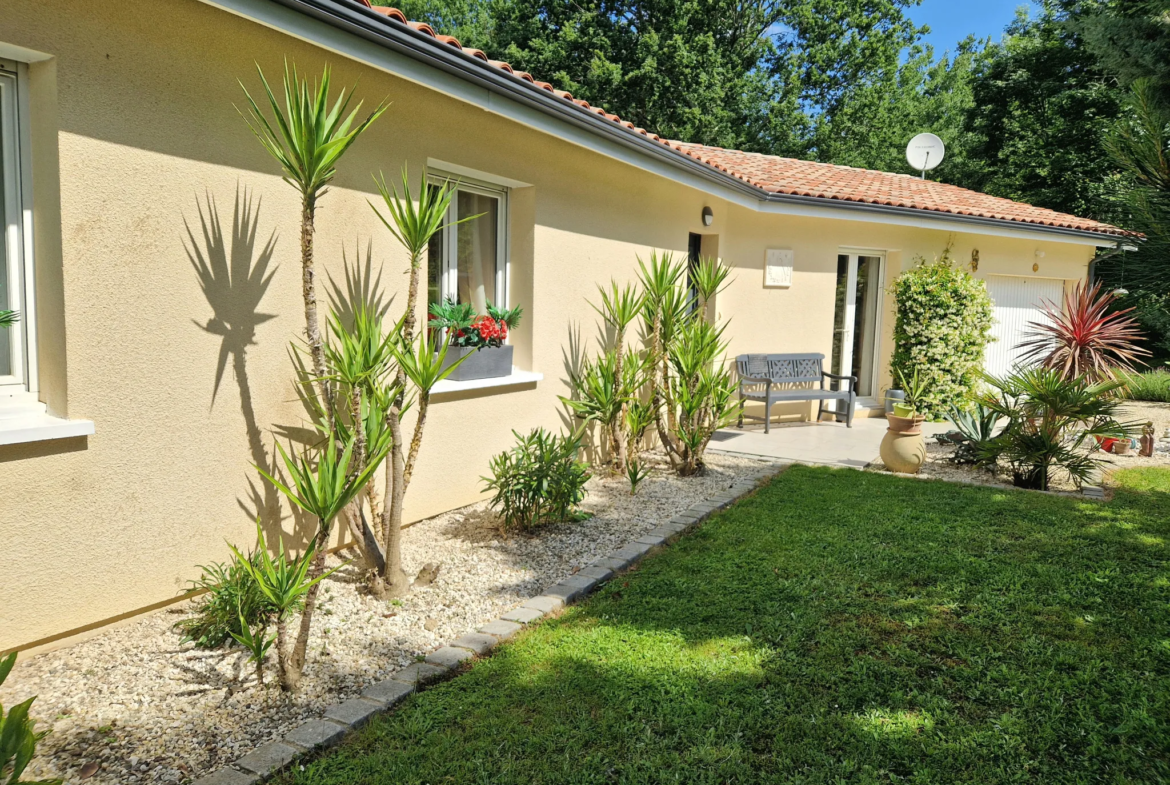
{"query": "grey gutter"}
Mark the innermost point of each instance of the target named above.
(356, 19)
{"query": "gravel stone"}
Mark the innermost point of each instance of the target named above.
(449, 657)
(388, 692)
(500, 629)
(356, 712)
(317, 733)
(523, 615)
(476, 642)
(226, 776)
(183, 712)
(267, 758)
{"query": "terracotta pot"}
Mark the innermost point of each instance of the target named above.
(1121, 447)
(903, 449)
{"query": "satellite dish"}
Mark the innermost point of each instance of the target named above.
(925, 152)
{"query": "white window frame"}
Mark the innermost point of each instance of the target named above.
(449, 278)
(17, 228)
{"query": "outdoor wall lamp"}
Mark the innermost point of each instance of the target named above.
(708, 216)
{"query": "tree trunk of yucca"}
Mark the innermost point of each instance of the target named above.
(393, 581)
(309, 291)
(296, 661)
(616, 434)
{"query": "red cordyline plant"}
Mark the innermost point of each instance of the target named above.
(1084, 338)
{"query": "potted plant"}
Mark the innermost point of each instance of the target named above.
(903, 448)
(482, 336)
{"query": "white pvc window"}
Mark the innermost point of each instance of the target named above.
(467, 261)
(17, 357)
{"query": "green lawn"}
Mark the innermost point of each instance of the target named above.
(835, 627)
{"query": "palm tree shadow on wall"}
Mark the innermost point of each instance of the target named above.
(235, 277)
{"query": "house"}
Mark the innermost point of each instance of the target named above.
(153, 251)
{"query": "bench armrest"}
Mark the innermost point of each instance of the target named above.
(851, 379)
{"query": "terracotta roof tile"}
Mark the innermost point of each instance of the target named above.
(845, 183)
(776, 175)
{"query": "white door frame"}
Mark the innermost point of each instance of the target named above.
(850, 329)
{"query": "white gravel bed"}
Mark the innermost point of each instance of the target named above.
(133, 705)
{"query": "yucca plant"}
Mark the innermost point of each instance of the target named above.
(1053, 424)
(600, 395)
(702, 389)
(412, 222)
(709, 276)
(619, 307)
(18, 740)
(257, 643)
(665, 307)
(1084, 338)
(288, 585)
(635, 473)
(307, 136)
(321, 485)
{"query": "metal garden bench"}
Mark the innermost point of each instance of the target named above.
(773, 378)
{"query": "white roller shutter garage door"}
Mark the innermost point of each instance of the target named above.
(1017, 302)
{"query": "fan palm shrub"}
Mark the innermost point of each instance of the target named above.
(307, 136)
(18, 739)
(1083, 337)
(8, 318)
(1053, 424)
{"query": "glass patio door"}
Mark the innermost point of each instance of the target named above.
(855, 322)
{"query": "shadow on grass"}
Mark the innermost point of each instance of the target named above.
(834, 627)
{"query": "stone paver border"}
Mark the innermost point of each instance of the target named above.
(346, 717)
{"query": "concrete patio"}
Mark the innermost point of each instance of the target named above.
(823, 443)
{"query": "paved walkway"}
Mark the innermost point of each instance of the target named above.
(824, 443)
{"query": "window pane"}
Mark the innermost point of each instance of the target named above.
(477, 250)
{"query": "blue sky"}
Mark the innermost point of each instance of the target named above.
(953, 20)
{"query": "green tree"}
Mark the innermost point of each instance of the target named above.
(761, 76)
(1042, 110)
(1130, 38)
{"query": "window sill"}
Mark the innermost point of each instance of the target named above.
(511, 380)
(41, 427)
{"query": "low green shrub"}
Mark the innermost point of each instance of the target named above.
(18, 739)
(540, 480)
(231, 594)
(1148, 386)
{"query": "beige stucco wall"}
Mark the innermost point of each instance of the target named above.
(136, 112)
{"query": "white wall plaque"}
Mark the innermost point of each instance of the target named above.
(778, 267)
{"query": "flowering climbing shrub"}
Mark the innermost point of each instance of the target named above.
(466, 328)
(943, 326)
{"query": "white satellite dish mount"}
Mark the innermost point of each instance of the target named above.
(925, 152)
